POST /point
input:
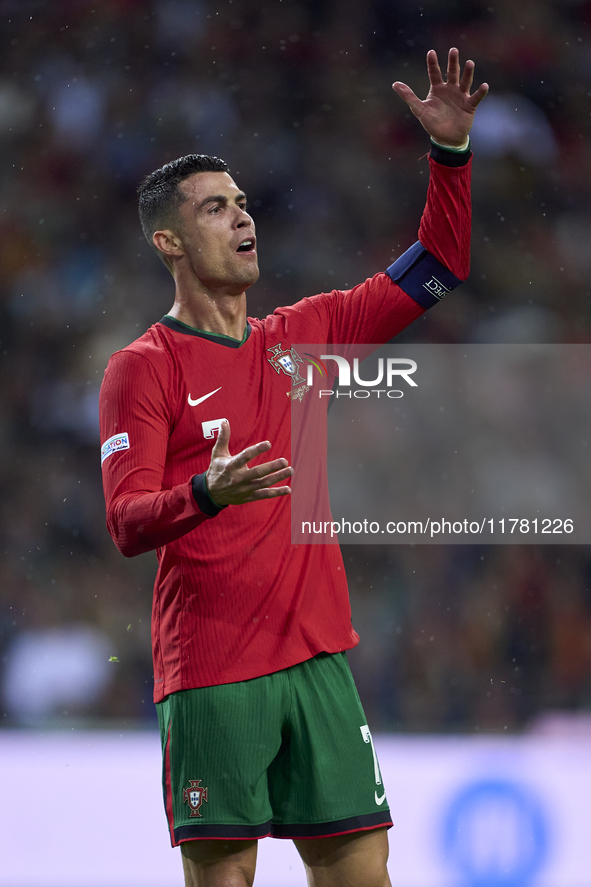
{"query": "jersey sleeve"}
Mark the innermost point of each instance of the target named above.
(446, 224)
(378, 309)
(135, 418)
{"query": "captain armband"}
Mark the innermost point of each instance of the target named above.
(422, 277)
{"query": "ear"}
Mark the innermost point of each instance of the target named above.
(168, 243)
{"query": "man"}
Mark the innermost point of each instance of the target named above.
(262, 730)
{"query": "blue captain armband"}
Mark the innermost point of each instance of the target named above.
(422, 277)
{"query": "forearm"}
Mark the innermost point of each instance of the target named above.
(440, 260)
(447, 218)
(143, 521)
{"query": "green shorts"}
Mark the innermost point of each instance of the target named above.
(288, 755)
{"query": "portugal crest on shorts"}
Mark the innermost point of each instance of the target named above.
(194, 796)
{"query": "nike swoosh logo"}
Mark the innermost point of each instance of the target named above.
(380, 801)
(195, 403)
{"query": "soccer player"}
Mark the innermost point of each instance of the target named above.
(262, 730)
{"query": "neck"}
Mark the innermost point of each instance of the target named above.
(224, 315)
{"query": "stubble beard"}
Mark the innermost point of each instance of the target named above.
(242, 278)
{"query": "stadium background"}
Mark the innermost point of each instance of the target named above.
(296, 97)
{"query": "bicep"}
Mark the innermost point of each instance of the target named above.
(133, 406)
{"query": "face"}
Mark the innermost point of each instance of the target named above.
(216, 233)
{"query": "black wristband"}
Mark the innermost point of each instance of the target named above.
(449, 158)
(202, 497)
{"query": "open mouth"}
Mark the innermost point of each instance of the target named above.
(246, 246)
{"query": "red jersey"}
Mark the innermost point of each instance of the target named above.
(233, 598)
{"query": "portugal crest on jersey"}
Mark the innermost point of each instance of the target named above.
(286, 361)
(194, 796)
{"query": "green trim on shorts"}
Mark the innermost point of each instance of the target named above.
(288, 755)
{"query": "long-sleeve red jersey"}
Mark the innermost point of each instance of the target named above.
(234, 598)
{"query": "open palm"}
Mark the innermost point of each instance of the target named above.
(448, 111)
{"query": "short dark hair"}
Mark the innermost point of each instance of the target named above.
(159, 195)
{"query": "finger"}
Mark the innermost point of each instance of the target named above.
(453, 66)
(467, 76)
(220, 447)
(406, 93)
(249, 453)
(269, 494)
(271, 479)
(433, 69)
(480, 93)
(267, 468)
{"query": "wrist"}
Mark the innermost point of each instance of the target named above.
(208, 494)
(202, 497)
(456, 149)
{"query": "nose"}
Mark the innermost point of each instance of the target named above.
(244, 219)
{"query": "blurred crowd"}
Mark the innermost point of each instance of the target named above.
(296, 96)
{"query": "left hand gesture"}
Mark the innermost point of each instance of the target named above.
(447, 113)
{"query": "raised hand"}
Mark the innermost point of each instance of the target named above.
(447, 113)
(231, 482)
